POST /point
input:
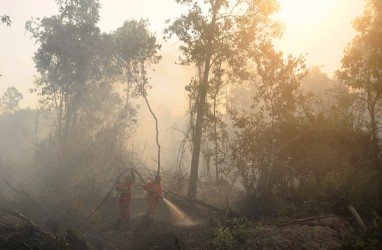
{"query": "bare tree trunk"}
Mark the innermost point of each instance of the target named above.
(156, 130)
(59, 120)
(216, 141)
(200, 111)
(371, 104)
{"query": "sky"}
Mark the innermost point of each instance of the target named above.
(318, 29)
(321, 29)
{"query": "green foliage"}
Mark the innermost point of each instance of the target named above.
(9, 102)
(6, 19)
(80, 73)
(263, 132)
(357, 243)
(332, 193)
(78, 66)
(372, 239)
(362, 60)
(310, 207)
(135, 50)
(316, 154)
(71, 65)
(222, 39)
(224, 238)
(362, 63)
(376, 228)
(233, 233)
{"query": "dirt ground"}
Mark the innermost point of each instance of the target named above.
(197, 231)
(171, 230)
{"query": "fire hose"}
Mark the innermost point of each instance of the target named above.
(108, 194)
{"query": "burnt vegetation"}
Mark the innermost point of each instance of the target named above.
(272, 155)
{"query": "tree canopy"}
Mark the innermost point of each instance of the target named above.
(219, 38)
(9, 102)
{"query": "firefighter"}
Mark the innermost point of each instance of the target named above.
(154, 194)
(125, 197)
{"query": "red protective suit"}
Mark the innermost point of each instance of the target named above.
(124, 200)
(154, 193)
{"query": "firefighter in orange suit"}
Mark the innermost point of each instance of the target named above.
(154, 194)
(125, 197)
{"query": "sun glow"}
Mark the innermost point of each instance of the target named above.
(308, 20)
(306, 12)
(318, 29)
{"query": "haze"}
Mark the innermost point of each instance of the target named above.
(319, 30)
(148, 124)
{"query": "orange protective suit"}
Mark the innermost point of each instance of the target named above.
(124, 200)
(154, 193)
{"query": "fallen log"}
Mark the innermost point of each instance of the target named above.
(324, 220)
(18, 215)
(308, 219)
(19, 232)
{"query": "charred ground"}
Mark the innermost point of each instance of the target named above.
(24, 225)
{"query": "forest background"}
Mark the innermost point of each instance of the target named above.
(296, 137)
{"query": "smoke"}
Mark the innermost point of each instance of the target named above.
(168, 101)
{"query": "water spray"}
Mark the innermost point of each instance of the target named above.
(181, 217)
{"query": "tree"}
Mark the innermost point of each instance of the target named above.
(136, 50)
(220, 37)
(263, 132)
(6, 19)
(317, 82)
(277, 97)
(362, 70)
(80, 70)
(362, 64)
(69, 57)
(76, 81)
(10, 100)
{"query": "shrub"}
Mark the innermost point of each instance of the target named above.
(233, 233)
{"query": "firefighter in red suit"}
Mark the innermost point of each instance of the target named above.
(125, 197)
(154, 194)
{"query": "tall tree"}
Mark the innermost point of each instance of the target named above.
(217, 36)
(136, 50)
(362, 70)
(362, 64)
(271, 124)
(66, 59)
(277, 95)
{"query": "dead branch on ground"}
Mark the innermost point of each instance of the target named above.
(28, 196)
(314, 221)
